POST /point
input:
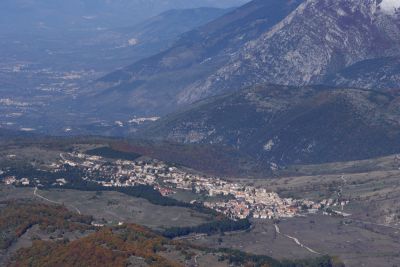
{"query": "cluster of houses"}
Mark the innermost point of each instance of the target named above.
(242, 201)
(10, 180)
(236, 201)
(233, 199)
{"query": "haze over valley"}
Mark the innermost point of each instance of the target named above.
(200, 133)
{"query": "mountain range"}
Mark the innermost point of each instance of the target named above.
(271, 127)
(154, 84)
(286, 82)
(271, 41)
(149, 37)
(302, 51)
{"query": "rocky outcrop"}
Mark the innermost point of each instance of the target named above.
(318, 39)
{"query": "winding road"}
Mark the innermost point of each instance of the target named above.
(278, 231)
(35, 193)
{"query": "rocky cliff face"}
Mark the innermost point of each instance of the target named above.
(320, 38)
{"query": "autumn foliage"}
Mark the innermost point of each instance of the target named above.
(106, 247)
(18, 216)
(110, 246)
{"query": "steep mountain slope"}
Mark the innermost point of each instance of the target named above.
(168, 25)
(319, 38)
(154, 83)
(286, 125)
(117, 47)
(301, 47)
(378, 73)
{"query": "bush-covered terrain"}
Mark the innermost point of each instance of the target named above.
(108, 152)
(113, 246)
(18, 216)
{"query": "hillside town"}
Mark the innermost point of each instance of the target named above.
(235, 200)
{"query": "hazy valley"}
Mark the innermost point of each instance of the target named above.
(200, 133)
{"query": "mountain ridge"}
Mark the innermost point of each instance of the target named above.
(155, 82)
(299, 51)
(283, 125)
(284, 47)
